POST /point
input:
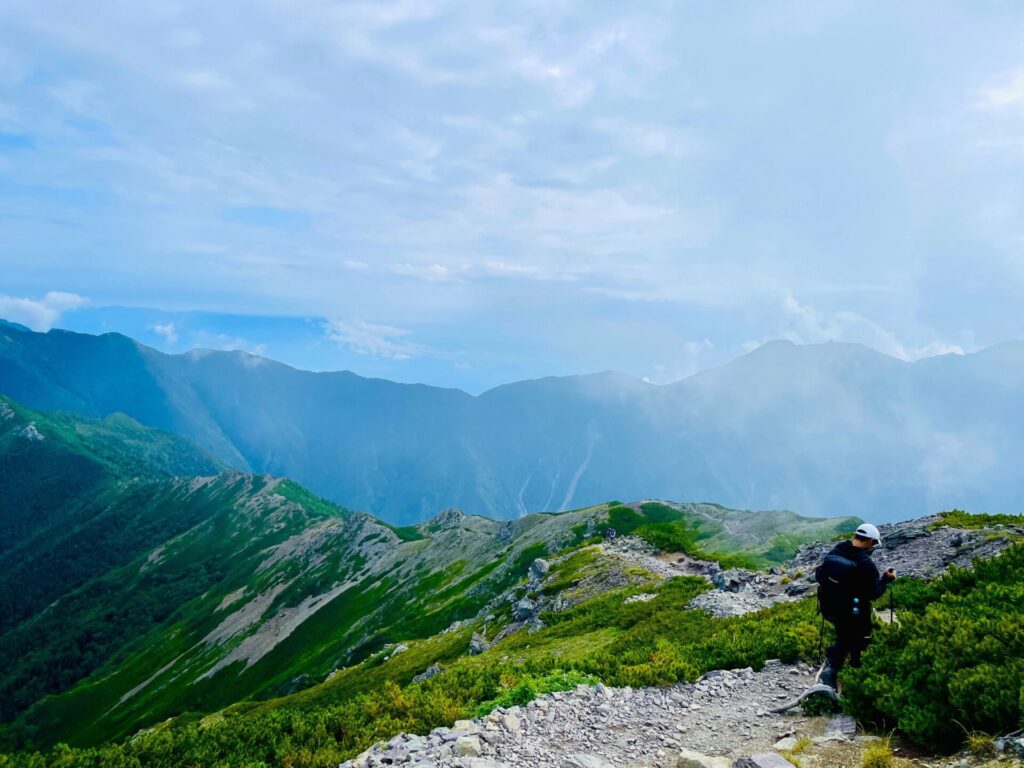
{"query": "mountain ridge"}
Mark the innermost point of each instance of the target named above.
(827, 429)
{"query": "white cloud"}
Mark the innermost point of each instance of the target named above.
(689, 358)
(167, 330)
(373, 339)
(39, 314)
(227, 343)
(1006, 94)
(807, 325)
(429, 272)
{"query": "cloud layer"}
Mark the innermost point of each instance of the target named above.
(470, 193)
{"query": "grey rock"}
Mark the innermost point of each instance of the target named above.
(432, 671)
(525, 610)
(32, 434)
(467, 746)
(477, 644)
(764, 760)
(583, 760)
(539, 568)
(732, 580)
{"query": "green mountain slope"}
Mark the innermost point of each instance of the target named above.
(191, 594)
(66, 511)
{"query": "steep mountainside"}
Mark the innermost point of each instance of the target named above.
(827, 429)
(135, 594)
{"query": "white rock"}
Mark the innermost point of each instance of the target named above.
(690, 759)
(582, 760)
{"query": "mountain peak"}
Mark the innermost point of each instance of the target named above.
(447, 518)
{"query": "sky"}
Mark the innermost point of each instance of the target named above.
(467, 194)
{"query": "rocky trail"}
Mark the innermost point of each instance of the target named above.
(722, 721)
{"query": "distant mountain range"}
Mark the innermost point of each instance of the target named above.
(830, 429)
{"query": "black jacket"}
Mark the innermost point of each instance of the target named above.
(870, 584)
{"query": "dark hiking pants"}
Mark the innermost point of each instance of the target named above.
(852, 637)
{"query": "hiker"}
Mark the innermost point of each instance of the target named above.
(609, 535)
(848, 581)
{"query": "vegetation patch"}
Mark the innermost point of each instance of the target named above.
(956, 656)
(520, 691)
(957, 518)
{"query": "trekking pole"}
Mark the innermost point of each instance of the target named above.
(892, 599)
(821, 638)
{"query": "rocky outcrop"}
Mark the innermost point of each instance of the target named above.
(914, 548)
(31, 434)
(922, 547)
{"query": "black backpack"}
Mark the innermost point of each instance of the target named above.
(837, 586)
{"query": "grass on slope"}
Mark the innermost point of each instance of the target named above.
(956, 657)
(708, 537)
(640, 643)
(957, 518)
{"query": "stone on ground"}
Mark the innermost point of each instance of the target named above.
(690, 759)
(764, 760)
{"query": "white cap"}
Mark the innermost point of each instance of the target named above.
(868, 531)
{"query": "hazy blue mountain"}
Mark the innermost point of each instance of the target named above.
(831, 429)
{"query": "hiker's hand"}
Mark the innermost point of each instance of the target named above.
(891, 574)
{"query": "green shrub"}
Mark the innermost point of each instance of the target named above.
(957, 518)
(959, 658)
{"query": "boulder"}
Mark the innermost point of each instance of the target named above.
(732, 580)
(511, 723)
(690, 759)
(32, 434)
(525, 610)
(539, 568)
(467, 746)
(477, 644)
(465, 727)
(785, 744)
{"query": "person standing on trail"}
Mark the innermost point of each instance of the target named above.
(848, 582)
